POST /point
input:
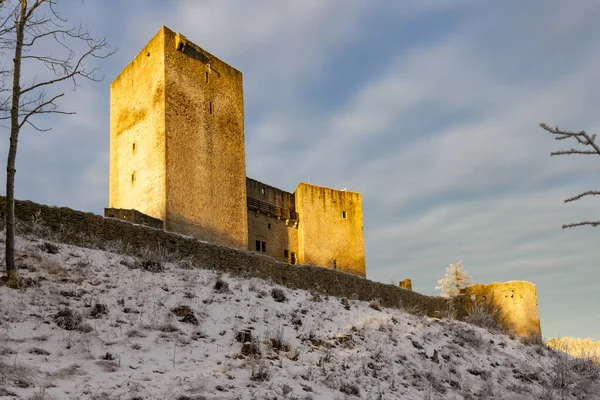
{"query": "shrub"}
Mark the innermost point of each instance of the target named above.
(70, 321)
(350, 388)
(260, 371)
(221, 286)
(375, 305)
(485, 315)
(278, 295)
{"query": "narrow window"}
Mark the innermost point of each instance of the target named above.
(133, 177)
(264, 247)
(210, 107)
(269, 225)
(262, 191)
(207, 76)
(293, 261)
(258, 245)
(286, 254)
(134, 147)
(344, 214)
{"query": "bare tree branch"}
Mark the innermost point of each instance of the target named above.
(584, 139)
(594, 224)
(588, 193)
(40, 109)
(25, 32)
(572, 151)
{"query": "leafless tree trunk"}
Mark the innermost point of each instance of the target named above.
(584, 139)
(31, 26)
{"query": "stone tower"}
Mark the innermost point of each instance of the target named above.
(516, 302)
(330, 232)
(177, 141)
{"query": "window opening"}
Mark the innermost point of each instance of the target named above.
(133, 146)
(206, 76)
(269, 225)
(293, 261)
(286, 253)
(344, 214)
(133, 177)
(210, 108)
(264, 247)
(262, 191)
(258, 245)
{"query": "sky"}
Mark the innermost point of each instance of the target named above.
(429, 108)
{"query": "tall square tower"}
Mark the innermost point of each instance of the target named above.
(330, 232)
(177, 141)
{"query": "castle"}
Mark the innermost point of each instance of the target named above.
(177, 162)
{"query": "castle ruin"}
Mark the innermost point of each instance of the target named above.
(177, 162)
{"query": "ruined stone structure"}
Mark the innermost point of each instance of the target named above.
(406, 284)
(177, 156)
(516, 302)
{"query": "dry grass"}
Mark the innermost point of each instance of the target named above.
(580, 348)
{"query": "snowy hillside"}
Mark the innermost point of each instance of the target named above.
(96, 324)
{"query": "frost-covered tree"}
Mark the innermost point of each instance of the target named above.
(456, 278)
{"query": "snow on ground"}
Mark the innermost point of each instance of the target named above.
(101, 325)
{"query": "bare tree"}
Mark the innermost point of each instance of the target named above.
(28, 31)
(583, 139)
(455, 279)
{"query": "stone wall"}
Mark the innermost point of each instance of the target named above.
(133, 216)
(272, 195)
(516, 300)
(280, 238)
(79, 224)
(272, 220)
(517, 304)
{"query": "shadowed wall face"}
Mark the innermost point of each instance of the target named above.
(517, 302)
(205, 156)
(330, 232)
(272, 228)
(280, 240)
(137, 133)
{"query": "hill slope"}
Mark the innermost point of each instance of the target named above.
(97, 324)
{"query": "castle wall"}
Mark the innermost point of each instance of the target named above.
(80, 228)
(331, 228)
(87, 229)
(281, 240)
(517, 304)
(133, 216)
(137, 134)
(272, 220)
(270, 194)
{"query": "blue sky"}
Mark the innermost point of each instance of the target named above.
(429, 108)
